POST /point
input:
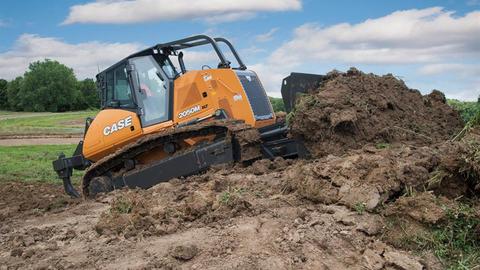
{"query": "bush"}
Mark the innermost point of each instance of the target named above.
(467, 109)
(277, 104)
(87, 95)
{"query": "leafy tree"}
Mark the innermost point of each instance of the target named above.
(88, 96)
(48, 86)
(14, 98)
(3, 94)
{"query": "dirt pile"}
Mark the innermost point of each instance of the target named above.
(201, 200)
(371, 177)
(427, 196)
(352, 109)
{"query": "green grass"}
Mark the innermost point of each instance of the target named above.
(122, 205)
(382, 145)
(360, 208)
(23, 123)
(455, 242)
(32, 163)
(230, 196)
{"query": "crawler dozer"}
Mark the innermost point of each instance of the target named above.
(159, 122)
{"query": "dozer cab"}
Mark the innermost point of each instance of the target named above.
(158, 122)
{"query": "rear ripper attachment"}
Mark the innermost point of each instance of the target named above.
(64, 166)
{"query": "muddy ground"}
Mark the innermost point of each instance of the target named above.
(366, 206)
(221, 220)
(272, 215)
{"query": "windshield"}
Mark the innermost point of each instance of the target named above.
(154, 91)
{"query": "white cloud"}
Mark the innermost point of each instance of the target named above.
(468, 94)
(266, 36)
(252, 50)
(84, 58)
(465, 70)
(195, 59)
(432, 37)
(271, 77)
(135, 11)
(411, 36)
(229, 17)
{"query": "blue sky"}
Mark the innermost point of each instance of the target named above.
(429, 44)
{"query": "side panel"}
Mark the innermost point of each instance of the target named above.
(201, 93)
(110, 130)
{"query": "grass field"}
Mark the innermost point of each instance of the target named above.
(27, 123)
(32, 162)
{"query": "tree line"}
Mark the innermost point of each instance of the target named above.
(48, 86)
(51, 86)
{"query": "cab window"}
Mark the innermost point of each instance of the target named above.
(119, 93)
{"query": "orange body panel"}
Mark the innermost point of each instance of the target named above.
(197, 94)
(213, 89)
(106, 134)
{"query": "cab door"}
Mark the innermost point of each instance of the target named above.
(154, 90)
(117, 123)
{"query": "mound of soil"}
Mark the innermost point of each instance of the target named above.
(352, 109)
(371, 177)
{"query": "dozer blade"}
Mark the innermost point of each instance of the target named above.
(298, 83)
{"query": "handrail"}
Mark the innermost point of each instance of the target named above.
(194, 41)
(234, 52)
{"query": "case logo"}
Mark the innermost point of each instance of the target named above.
(121, 124)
